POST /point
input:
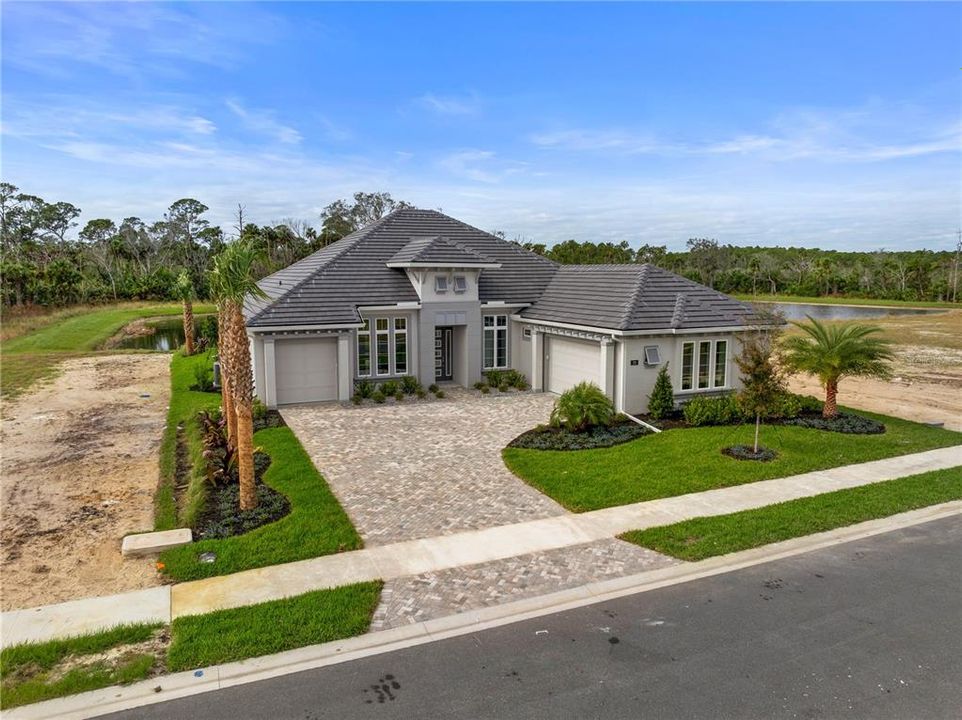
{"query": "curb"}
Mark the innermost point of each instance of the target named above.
(184, 684)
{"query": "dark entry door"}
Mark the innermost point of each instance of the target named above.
(443, 346)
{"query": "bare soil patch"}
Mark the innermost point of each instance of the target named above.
(78, 472)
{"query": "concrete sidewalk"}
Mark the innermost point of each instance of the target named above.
(469, 548)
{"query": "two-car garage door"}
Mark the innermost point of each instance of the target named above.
(306, 370)
(569, 362)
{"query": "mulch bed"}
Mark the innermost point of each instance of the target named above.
(600, 436)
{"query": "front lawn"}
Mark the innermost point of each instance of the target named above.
(701, 538)
(680, 461)
(272, 627)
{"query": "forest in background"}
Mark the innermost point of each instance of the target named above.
(47, 259)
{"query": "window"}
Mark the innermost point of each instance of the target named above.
(383, 346)
(721, 363)
(400, 346)
(704, 363)
(364, 350)
(440, 283)
(651, 355)
(526, 333)
(495, 341)
(460, 284)
(687, 365)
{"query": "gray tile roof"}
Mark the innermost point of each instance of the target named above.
(327, 287)
(439, 251)
(634, 297)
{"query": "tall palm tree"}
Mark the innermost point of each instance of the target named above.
(185, 291)
(831, 352)
(231, 280)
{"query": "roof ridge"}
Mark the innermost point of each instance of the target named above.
(678, 314)
(633, 298)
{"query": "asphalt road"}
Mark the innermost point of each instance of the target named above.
(868, 629)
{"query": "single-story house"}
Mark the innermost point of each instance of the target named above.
(420, 293)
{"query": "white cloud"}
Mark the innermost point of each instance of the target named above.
(482, 166)
(451, 104)
(264, 122)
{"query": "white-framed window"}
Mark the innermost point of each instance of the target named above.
(364, 350)
(526, 333)
(704, 364)
(400, 346)
(495, 341)
(440, 283)
(460, 284)
(383, 346)
(721, 363)
(652, 357)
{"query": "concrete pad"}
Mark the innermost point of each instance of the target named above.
(155, 542)
(79, 617)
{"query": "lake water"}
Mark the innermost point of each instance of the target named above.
(168, 335)
(819, 311)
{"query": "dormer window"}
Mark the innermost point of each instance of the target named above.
(440, 283)
(460, 284)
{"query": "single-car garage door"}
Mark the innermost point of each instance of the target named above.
(306, 370)
(570, 362)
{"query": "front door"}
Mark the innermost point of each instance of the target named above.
(443, 346)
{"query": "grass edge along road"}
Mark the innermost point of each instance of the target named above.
(706, 537)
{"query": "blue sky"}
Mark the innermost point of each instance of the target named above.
(831, 125)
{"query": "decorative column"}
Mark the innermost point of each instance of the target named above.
(537, 360)
(344, 367)
(270, 376)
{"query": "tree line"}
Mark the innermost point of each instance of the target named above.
(47, 259)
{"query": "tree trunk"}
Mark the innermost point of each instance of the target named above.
(226, 370)
(188, 328)
(227, 401)
(830, 410)
(758, 424)
(245, 456)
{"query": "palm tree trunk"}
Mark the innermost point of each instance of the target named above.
(758, 423)
(245, 456)
(188, 328)
(830, 410)
(226, 372)
(227, 403)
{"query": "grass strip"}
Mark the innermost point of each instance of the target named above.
(182, 413)
(686, 460)
(702, 538)
(26, 668)
(271, 627)
(317, 524)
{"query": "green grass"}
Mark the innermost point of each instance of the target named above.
(676, 462)
(184, 406)
(26, 668)
(35, 354)
(706, 537)
(316, 525)
(271, 627)
(833, 300)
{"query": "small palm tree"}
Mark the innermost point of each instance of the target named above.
(184, 289)
(582, 406)
(831, 352)
(232, 280)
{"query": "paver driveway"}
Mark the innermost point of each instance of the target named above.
(421, 469)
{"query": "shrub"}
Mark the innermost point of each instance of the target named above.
(399, 396)
(439, 394)
(433, 388)
(515, 379)
(203, 377)
(485, 389)
(480, 385)
(494, 377)
(364, 389)
(410, 384)
(581, 407)
(600, 436)
(219, 458)
(722, 410)
(503, 387)
(378, 397)
(661, 402)
(258, 410)
(420, 393)
(842, 423)
(389, 387)
(356, 399)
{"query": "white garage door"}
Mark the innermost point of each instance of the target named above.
(306, 370)
(570, 362)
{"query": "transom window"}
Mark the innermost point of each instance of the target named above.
(705, 364)
(495, 341)
(389, 338)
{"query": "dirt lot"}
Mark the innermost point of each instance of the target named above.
(79, 469)
(927, 386)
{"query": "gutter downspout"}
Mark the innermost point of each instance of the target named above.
(641, 422)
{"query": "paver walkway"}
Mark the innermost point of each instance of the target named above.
(474, 548)
(422, 469)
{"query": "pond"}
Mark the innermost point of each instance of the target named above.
(820, 311)
(167, 335)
